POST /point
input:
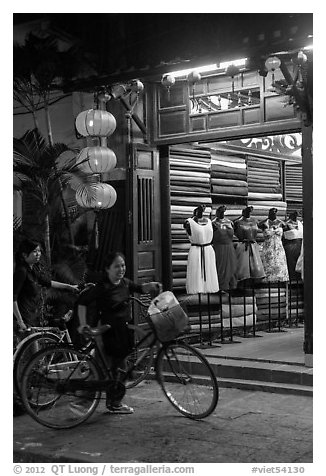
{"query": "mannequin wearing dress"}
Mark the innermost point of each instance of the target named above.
(249, 264)
(226, 260)
(201, 267)
(273, 254)
(292, 243)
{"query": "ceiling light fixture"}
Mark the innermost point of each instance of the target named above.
(201, 69)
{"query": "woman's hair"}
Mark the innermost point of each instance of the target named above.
(26, 247)
(111, 257)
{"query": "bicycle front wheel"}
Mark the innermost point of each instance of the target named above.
(24, 353)
(187, 380)
(59, 387)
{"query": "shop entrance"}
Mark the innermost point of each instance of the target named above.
(264, 175)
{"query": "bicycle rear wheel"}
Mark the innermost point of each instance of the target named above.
(59, 387)
(141, 361)
(24, 353)
(187, 380)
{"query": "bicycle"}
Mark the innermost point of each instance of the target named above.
(41, 337)
(58, 378)
(37, 339)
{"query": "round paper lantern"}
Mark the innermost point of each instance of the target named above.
(95, 122)
(300, 59)
(136, 86)
(194, 77)
(232, 70)
(168, 80)
(272, 63)
(96, 160)
(97, 196)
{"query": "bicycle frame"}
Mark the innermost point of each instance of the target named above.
(41, 331)
(71, 383)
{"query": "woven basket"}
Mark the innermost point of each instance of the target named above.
(170, 324)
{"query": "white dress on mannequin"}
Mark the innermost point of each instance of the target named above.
(201, 265)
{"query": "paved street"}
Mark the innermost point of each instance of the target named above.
(246, 427)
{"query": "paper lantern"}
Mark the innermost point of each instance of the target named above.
(272, 63)
(96, 160)
(95, 122)
(301, 58)
(136, 86)
(194, 77)
(168, 80)
(97, 196)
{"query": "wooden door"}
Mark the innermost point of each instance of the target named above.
(144, 215)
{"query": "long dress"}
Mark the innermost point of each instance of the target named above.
(292, 241)
(273, 254)
(226, 260)
(201, 267)
(249, 264)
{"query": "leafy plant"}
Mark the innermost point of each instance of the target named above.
(39, 170)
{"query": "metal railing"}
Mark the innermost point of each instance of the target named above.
(225, 316)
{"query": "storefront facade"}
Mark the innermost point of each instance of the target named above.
(216, 113)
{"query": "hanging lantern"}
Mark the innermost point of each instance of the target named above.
(136, 86)
(301, 58)
(96, 160)
(193, 78)
(95, 122)
(97, 196)
(272, 63)
(231, 71)
(167, 81)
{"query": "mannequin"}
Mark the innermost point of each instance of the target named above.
(292, 241)
(249, 264)
(273, 254)
(226, 260)
(201, 267)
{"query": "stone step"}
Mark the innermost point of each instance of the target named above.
(276, 372)
(252, 385)
(261, 386)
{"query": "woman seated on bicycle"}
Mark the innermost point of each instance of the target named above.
(111, 297)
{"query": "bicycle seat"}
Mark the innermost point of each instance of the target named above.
(96, 331)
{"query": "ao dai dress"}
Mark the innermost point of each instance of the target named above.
(273, 254)
(201, 267)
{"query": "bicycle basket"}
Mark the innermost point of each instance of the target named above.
(170, 323)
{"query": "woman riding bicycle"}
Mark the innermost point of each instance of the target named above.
(111, 297)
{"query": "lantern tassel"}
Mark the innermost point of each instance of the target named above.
(96, 232)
